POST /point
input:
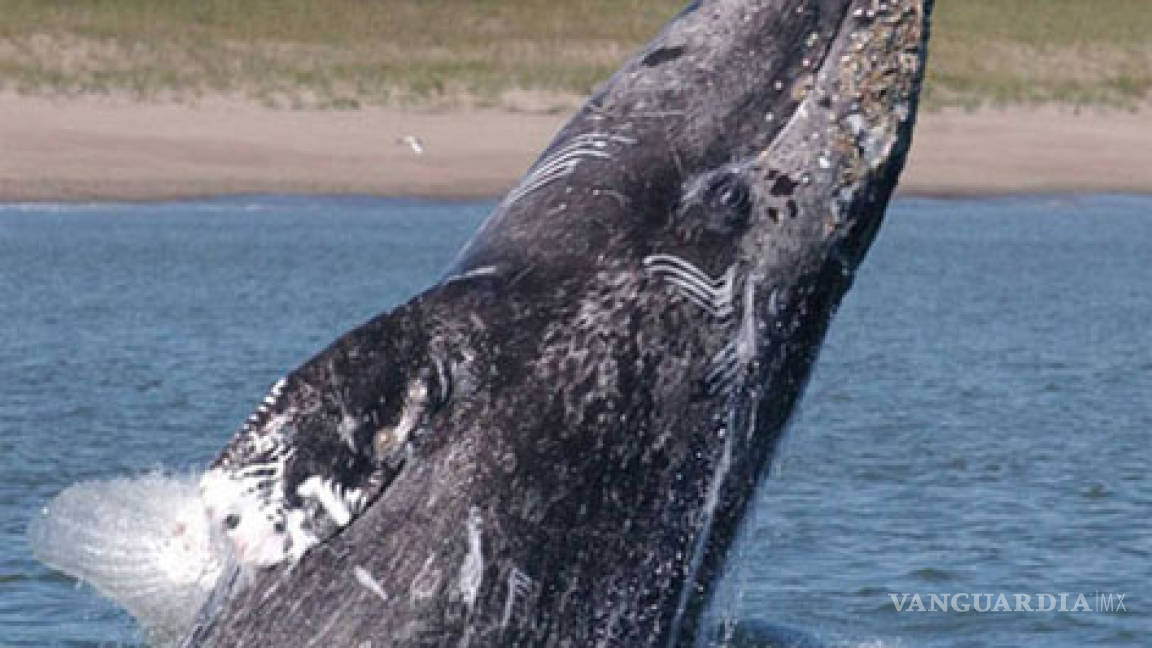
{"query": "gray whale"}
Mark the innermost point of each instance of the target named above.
(556, 444)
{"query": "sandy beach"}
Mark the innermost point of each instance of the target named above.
(97, 148)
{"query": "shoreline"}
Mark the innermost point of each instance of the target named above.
(87, 149)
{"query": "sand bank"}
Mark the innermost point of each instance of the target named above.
(99, 148)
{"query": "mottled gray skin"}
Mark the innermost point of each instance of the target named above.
(613, 357)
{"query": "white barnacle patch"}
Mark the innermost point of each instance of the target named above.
(563, 162)
(270, 440)
(354, 499)
(472, 569)
(329, 496)
(267, 403)
(300, 538)
(713, 295)
(369, 582)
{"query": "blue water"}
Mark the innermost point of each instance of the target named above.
(979, 420)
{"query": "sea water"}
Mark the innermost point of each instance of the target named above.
(979, 422)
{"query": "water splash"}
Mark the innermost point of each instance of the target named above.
(142, 541)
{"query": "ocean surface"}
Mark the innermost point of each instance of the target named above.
(980, 421)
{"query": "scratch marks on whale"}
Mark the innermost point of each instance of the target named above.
(713, 295)
(738, 353)
(717, 297)
(565, 161)
(426, 581)
(522, 593)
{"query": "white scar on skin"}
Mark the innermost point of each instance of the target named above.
(369, 582)
(740, 351)
(425, 582)
(564, 161)
(482, 271)
(717, 296)
(472, 569)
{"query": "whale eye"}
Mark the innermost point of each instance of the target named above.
(278, 527)
(231, 521)
(728, 197)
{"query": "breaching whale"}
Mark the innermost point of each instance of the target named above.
(556, 444)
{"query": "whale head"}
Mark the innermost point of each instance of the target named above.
(762, 136)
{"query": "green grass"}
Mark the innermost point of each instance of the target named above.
(1013, 51)
(349, 53)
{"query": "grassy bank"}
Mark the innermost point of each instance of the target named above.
(1025, 51)
(347, 53)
